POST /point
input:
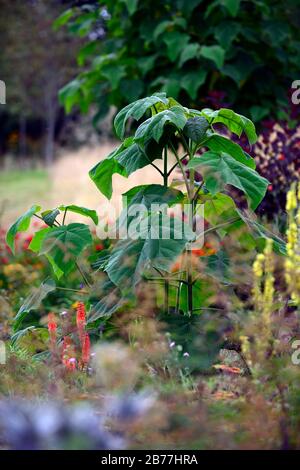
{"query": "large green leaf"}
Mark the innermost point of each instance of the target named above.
(102, 174)
(236, 123)
(220, 169)
(82, 211)
(126, 159)
(153, 194)
(21, 225)
(64, 244)
(218, 143)
(154, 126)
(131, 257)
(136, 110)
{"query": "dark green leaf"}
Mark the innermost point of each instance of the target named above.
(220, 169)
(214, 53)
(195, 128)
(50, 216)
(136, 110)
(192, 81)
(154, 126)
(191, 51)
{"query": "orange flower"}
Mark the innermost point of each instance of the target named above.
(229, 369)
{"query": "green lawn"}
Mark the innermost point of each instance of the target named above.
(19, 190)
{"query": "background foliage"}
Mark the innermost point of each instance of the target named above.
(190, 49)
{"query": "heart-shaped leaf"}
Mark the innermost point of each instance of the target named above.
(220, 169)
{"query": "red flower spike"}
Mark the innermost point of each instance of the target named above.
(52, 328)
(86, 349)
(81, 321)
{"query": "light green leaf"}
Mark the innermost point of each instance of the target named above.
(136, 110)
(21, 225)
(64, 244)
(57, 271)
(37, 240)
(220, 169)
(82, 211)
(218, 143)
(219, 208)
(214, 53)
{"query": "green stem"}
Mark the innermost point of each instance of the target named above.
(181, 168)
(64, 218)
(166, 166)
(79, 291)
(82, 274)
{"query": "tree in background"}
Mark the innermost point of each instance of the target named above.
(190, 49)
(35, 62)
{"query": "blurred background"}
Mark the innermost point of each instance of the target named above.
(69, 66)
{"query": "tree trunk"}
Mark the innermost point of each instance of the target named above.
(22, 139)
(50, 133)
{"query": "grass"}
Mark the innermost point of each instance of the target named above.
(19, 190)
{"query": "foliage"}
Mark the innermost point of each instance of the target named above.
(144, 251)
(187, 49)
